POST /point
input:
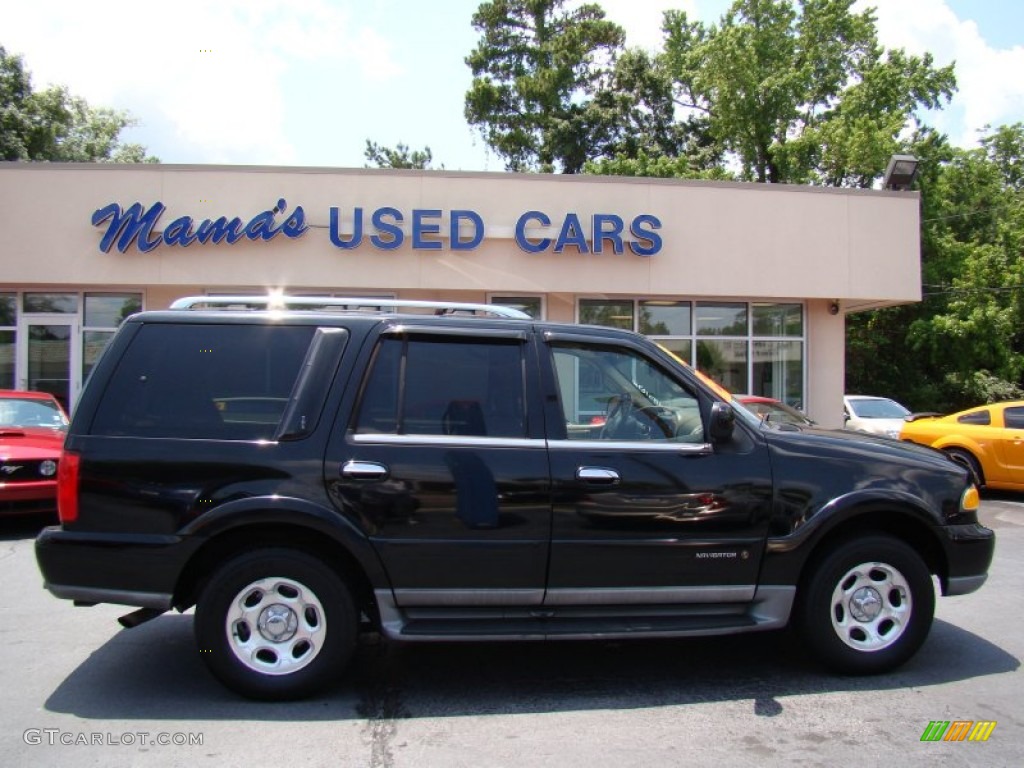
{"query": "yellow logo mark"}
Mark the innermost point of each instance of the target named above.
(958, 730)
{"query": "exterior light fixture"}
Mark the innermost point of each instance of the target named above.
(900, 172)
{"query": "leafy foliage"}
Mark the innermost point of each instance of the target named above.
(964, 344)
(535, 72)
(399, 157)
(55, 125)
(785, 95)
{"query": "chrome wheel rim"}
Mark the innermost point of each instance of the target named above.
(871, 606)
(276, 626)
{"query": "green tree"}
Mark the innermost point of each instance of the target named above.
(964, 343)
(536, 70)
(399, 157)
(794, 92)
(55, 125)
(643, 134)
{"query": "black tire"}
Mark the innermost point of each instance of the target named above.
(966, 459)
(276, 624)
(867, 605)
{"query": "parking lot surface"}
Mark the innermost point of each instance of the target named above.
(80, 691)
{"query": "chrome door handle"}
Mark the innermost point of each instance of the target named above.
(364, 470)
(597, 475)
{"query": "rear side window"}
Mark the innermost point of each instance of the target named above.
(447, 386)
(228, 382)
(976, 417)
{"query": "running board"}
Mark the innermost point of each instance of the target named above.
(769, 610)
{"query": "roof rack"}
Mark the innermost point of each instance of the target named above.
(355, 303)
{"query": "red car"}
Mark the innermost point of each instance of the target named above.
(32, 427)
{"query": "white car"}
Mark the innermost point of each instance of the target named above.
(877, 415)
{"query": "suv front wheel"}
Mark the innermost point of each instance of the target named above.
(867, 605)
(275, 624)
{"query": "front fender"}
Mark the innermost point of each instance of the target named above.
(876, 510)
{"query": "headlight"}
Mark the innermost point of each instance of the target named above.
(48, 468)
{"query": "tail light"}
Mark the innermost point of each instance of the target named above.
(67, 486)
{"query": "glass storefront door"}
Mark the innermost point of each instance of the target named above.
(48, 357)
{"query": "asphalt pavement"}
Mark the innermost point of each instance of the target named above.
(80, 691)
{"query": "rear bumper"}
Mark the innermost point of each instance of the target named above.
(111, 568)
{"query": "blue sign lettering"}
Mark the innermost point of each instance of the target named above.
(532, 246)
(420, 228)
(648, 241)
(607, 228)
(571, 234)
(138, 225)
(455, 238)
(393, 236)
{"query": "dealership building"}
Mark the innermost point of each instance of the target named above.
(750, 281)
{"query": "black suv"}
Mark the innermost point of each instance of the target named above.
(300, 470)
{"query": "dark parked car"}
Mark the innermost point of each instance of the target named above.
(32, 427)
(301, 473)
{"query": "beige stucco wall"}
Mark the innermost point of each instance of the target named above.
(721, 241)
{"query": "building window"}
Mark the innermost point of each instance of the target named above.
(777, 351)
(665, 318)
(531, 305)
(51, 303)
(748, 347)
(104, 312)
(614, 314)
(724, 360)
(8, 338)
(720, 319)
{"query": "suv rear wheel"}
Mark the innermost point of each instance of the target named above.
(275, 624)
(867, 605)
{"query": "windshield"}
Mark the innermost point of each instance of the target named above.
(21, 412)
(878, 408)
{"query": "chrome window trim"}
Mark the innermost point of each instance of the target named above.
(382, 438)
(694, 449)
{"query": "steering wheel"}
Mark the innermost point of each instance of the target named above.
(616, 415)
(660, 417)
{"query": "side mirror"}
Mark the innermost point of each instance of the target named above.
(723, 420)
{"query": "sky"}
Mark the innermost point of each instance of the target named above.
(308, 82)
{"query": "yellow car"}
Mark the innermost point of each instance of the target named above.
(988, 440)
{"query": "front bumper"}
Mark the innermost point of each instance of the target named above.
(969, 550)
(28, 498)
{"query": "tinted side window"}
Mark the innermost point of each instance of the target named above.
(229, 382)
(978, 417)
(1013, 418)
(610, 393)
(420, 386)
